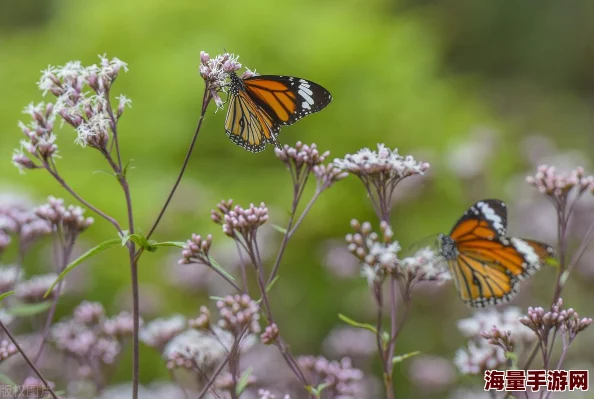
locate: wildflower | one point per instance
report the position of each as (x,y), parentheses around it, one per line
(478,357)
(422,266)
(302,155)
(327,175)
(89,313)
(270,334)
(241,221)
(377,254)
(338,376)
(121,325)
(6,317)
(160,331)
(356,343)
(196,250)
(380,171)
(506,320)
(202,322)
(197,349)
(70,220)
(34,289)
(215,72)
(557,185)
(7,349)
(9,276)
(237,312)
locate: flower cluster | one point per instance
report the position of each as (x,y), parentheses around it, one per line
(68,219)
(566,321)
(34,289)
(9,276)
(7,349)
(339,377)
(492,333)
(89,112)
(378,255)
(89,337)
(215,72)
(549,181)
(270,334)
(197,350)
(196,250)
(17,218)
(238,221)
(380,171)
(159,332)
(237,312)
(424,265)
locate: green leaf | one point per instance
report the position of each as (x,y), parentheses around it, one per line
(399,359)
(141,241)
(29,309)
(104,246)
(269,286)
(243,381)
(125,237)
(216,298)
(514,359)
(5,380)
(354,323)
(280,229)
(177,244)
(7,294)
(219,268)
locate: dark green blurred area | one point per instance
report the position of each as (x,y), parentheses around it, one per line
(416,75)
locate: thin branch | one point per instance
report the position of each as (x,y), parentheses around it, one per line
(29,362)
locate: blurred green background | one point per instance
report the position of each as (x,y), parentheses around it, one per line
(432,78)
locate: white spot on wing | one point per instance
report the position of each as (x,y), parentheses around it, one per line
(305,105)
(306,97)
(529,253)
(492,217)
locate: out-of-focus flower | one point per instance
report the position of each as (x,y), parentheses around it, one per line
(202,322)
(339,261)
(224,382)
(424,265)
(266,394)
(506,320)
(355,343)
(34,289)
(470,158)
(340,377)
(478,357)
(557,185)
(70,219)
(431,373)
(89,312)
(9,276)
(565,320)
(159,332)
(237,312)
(270,334)
(193,348)
(5,317)
(7,349)
(381,171)
(121,325)
(377,254)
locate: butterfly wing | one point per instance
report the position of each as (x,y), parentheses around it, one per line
(247,126)
(286,99)
(486,265)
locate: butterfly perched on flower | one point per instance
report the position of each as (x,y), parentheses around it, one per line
(259,105)
(485,264)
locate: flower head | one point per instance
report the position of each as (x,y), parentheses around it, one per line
(7,349)
(121,325)
(9,276)
(160,331)
(338,376)
(196,250)
(69,219)
(549,181)
(380,171)
(215,72)
(237,312)
(238,221)
(34,289)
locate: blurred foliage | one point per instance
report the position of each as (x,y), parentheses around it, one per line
(416,74)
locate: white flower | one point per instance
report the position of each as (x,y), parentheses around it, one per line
(384,161)
(9,275)
(478,357)
(506,320)
(97,125)
(5,317)
(204,349)
(159,331)
(369,273)
(425,264)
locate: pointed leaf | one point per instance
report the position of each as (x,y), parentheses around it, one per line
(280,229)
(243,381)
(269,286)
(219,268)
(104,246)
(177,244)
(29,309)
(5,380)
(356,323)
(7,294)
(398,359)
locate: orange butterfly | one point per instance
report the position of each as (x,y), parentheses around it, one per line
(486,265)
(260,105)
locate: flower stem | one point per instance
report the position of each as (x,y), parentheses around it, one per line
(205,101)
(29,362)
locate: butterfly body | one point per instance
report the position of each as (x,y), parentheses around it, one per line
(260,105)
(485,264)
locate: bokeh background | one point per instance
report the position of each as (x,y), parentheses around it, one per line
(484,91)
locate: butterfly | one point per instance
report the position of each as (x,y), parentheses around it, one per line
(260,105)
(485,264)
